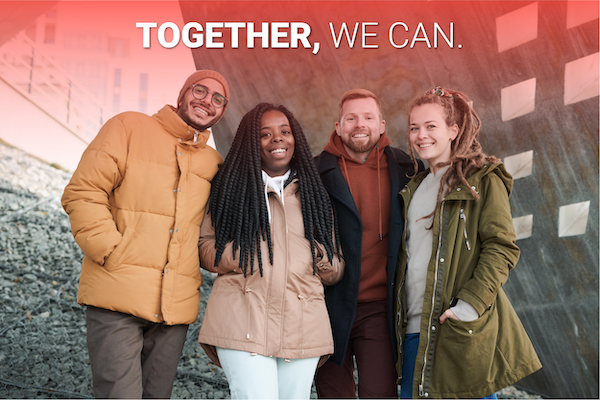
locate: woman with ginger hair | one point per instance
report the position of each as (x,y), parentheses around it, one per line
(457,333)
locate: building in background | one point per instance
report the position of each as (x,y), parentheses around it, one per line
(532,71)
(78,64)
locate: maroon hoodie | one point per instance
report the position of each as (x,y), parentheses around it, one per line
(369,183)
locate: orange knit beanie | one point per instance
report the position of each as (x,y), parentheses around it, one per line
(197,77)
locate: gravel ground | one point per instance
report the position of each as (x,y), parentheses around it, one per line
(42,328)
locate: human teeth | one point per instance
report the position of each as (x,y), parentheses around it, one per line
(425,145)
(203,111)
(277,151)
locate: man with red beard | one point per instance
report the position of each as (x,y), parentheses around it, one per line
(135,204)
(363,175)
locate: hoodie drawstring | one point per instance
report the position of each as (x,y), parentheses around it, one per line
(379,192)
(347,176)
(346,172)
(277,183)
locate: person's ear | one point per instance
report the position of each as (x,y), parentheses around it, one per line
(338,128)
(454,133)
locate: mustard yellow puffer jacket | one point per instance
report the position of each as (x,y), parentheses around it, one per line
(135,203)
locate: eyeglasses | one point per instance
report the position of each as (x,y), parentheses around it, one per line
(201,91)
(440,91)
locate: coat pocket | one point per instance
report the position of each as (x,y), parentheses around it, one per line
(115,258)
(306,324)
(232,313)
(465,354)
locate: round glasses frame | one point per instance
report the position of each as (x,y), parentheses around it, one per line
(200,92)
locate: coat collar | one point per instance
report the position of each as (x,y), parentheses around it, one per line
(474,178)
(175,126)
(333,180)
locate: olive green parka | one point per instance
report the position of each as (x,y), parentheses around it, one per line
(473,251)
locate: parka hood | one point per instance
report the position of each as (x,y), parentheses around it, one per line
(474,178)
(499,169)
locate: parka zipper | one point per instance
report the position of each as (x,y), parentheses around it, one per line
(430,326)
(401,311)
(464,218)
(302,311)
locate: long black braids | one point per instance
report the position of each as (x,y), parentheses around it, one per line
(237,204)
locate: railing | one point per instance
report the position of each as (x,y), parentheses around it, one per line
(24,66)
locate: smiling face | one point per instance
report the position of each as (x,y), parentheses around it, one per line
(201,114)
(360,127)
(277,143)
(429,134)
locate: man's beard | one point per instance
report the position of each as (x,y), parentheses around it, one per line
(360,147)
(184,112)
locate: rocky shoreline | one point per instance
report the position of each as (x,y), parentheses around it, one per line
(42,334)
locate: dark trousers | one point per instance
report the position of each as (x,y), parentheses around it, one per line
(371,346)
(131,357)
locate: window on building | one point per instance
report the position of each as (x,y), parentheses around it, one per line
(116,103)
(143,102)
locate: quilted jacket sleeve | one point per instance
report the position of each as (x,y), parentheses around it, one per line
(87,196)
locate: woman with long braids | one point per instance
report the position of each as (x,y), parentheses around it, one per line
(457,333)
(270,235)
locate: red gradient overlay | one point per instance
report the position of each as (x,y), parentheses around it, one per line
(411,35)
(550,46)
(377,27)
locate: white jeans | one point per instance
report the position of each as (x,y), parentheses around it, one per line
(252,376)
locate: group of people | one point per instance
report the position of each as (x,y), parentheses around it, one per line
(357,258)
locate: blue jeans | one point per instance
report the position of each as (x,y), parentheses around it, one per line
(411,345)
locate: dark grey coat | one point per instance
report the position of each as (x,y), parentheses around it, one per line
(342,298)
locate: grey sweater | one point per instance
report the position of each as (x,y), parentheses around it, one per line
(419,245)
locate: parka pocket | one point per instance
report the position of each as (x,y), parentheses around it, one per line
(465,354)
(306,323)
(235,311)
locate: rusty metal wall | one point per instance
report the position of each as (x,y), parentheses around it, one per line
(554,287)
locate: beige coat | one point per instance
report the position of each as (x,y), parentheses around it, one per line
(135,203)
(281,314)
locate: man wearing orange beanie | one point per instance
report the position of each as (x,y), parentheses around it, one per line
(135,204)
